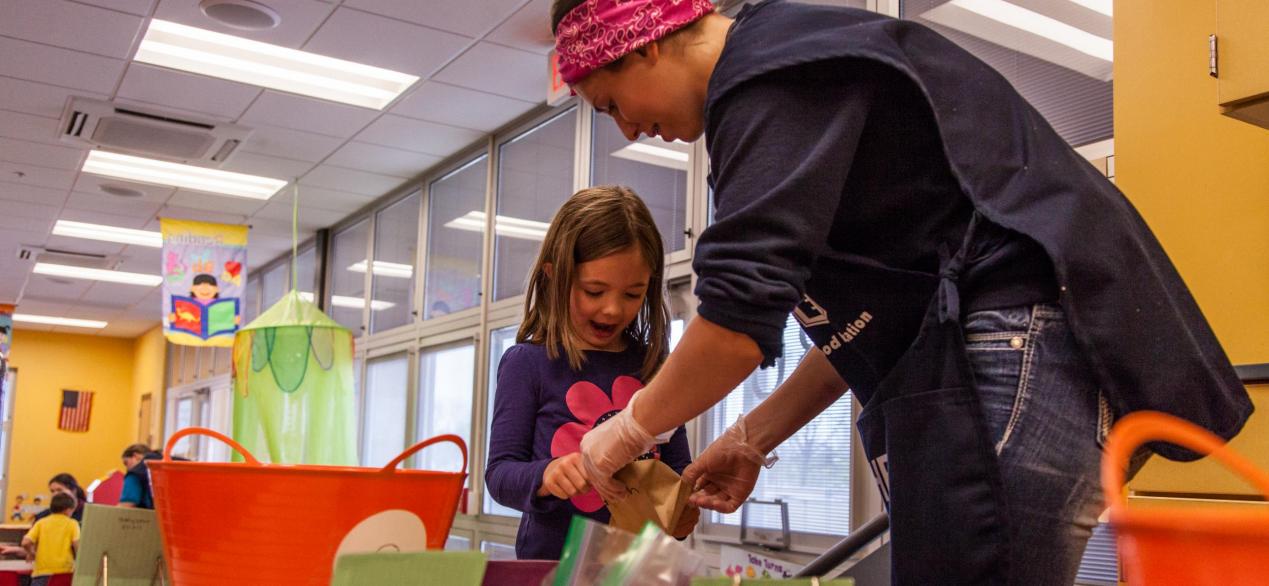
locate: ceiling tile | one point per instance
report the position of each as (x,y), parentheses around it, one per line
(58,66)
(456,106)
(290,144)
(72,26)
(299,19)
(88,183)
(137,7)
(119,295)
(55,288)
(25,327)
(381,159)
(417,135)
(38,98)
(460,16)
(28,127)
(42,154)
(350,180)
(311,218)
(122,327)
(34,226)
(33,211)
(240,206)
(32,194)
(307,114)
(264,165)
(23,236)
(499,70)
(188,213)
(383,42)
(36,175)
(102,202)
(528,29)
(331,200)
(197,93)
(141,259)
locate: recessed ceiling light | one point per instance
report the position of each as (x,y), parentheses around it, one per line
(73,272)
(385,269)
(1039,24)
(120,191)
(241,14)
(672,155)
(31,318)
(350,302)
(508,226)
(204,52)
(178,175)
(108,233)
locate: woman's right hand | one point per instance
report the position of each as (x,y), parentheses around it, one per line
(563,477)
(726,472)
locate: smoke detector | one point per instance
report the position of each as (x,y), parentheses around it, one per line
(120,190)
(241,14)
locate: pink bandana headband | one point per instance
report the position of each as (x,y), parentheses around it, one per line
(598,32)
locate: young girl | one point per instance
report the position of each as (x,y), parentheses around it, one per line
(595,330)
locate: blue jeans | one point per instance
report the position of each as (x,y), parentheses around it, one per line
(1048,421)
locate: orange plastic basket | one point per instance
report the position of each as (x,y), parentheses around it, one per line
(1196,547)
(253,523)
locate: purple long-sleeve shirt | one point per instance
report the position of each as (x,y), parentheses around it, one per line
(541,409)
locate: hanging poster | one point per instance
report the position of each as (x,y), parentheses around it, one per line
(204,268)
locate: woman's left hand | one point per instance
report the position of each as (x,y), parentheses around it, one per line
(609,447)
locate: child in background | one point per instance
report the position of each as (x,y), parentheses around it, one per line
(53,541)
(595,330)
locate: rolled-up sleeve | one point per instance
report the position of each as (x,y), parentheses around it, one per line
(780,150)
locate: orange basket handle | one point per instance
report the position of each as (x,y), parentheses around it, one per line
(449,437)
(1137,428)
(171,443)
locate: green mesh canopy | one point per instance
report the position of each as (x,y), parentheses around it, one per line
(293,386)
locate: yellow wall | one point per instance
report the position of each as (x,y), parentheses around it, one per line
(149,352)
(48,363)
(1200,179)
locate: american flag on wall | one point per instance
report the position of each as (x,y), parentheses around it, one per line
(77,407)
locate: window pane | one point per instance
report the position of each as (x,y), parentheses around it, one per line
(499,341)
(455,239)
(251,297)
(396,236)
(456,543)
(814,469)
(383,420)
(1070,88)
(498,551)
(535,176)
(653,168)
(348,287)
(306,271)
(446,379)
(274,284)
(184,419)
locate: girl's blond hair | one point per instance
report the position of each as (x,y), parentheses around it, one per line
(592,224)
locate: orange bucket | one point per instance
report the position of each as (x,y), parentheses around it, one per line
(1195,547)
(253,523)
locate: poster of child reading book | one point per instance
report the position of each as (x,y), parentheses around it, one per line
(204,268)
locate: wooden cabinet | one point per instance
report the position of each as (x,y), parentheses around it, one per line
(1242,59)
(1207,478)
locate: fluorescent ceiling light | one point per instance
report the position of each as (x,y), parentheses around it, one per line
(108,233)
(178,175)
(237,59)
(350,302)
(1039,24)
(72,272)
(672,155)
(58,321)
(508,226)
(1106,7)
(384,269)
(1048,36)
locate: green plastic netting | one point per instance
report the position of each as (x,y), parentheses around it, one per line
(293,386)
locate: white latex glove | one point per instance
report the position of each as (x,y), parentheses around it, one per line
(609,447)
(724,474)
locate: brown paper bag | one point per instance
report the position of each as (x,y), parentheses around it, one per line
(657,494)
